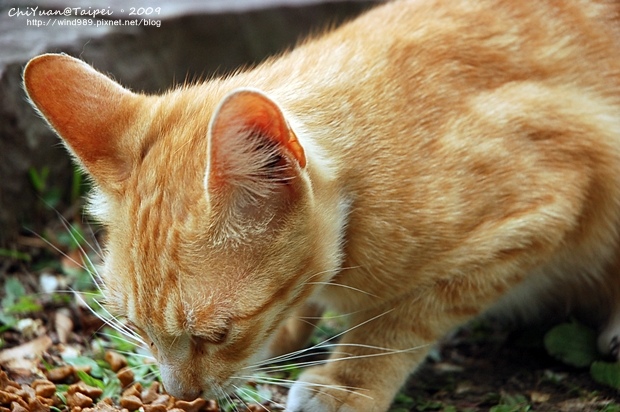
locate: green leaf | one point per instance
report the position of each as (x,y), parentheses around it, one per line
(16,301)
(83,361)
(611,407)
(510,408)
(13,289)
(52,197)
(73,238)
(89,380)
(61,394)
(606,373)
(113,386)
(573,344)
(428,405)
(39,180)
(14,254)
(119,342)
(253,395)
(511,403)
(7,321)
(24,305)
(403,400)
(76,185)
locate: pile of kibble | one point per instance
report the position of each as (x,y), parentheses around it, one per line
(40,395)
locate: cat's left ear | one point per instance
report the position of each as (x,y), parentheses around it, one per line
(252,148)
(89,111)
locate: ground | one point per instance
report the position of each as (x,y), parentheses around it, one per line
(480,367)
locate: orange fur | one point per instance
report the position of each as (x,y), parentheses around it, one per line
(421,165)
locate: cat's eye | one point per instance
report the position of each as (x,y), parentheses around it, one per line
(219,337)
(216,337)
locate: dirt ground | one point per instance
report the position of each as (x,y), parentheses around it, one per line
(478,368)
(482,367)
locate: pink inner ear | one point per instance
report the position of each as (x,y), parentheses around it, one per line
(253,110)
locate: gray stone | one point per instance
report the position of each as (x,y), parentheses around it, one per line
(196,39)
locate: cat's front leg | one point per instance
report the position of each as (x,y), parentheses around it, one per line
(609,339)
(367,367)
(295,332)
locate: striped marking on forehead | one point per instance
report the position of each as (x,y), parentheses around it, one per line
(153,257)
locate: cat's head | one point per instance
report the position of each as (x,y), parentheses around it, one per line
(213,234)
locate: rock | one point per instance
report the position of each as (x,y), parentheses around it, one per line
(185,39)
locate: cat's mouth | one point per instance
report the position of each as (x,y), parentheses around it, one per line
(189,383)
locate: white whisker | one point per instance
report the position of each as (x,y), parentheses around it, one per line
(125,352)
(96,278)
(342,286)
(112,321)
(98,251)
(250,394)
(57,249)
(337,270)
(310,385)
(344,315)
(281,358)
(241,399)
(67,225)
(348,356)
(221,394)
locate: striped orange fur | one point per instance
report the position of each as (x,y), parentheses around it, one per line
(421,165)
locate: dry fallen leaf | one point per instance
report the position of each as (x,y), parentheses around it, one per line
(63,325)
(25,356)
(539,397)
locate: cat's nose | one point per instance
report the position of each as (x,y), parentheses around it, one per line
(188,394)
(177,386)
(182,392)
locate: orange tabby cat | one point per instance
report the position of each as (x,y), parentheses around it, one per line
(414,168)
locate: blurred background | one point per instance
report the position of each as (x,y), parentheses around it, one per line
(149,47)
(48,247)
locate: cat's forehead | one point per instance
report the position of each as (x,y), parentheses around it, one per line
(175,272)
(170,300)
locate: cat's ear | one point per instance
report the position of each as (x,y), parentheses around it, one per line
(253,152)
(89,111)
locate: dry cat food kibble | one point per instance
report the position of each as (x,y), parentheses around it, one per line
(36,397)
(39,395)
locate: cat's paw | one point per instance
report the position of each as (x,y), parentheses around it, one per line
(614,347)
(314,392)
(609,339)
(610,345)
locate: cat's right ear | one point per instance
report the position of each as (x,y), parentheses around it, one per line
(256,163)
(89,111)
(252,147)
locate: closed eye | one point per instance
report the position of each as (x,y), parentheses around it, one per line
(214,337)
(219,337)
